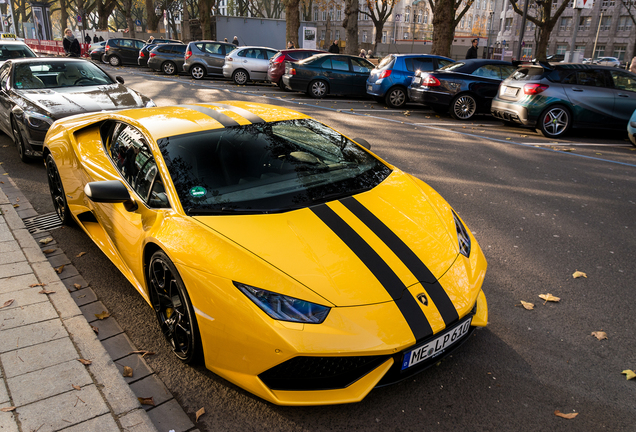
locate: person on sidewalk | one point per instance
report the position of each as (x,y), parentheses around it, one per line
(151,40)
(472,51)
(95,38)
(235,41)
(71,44)
(87,38)
(334,49)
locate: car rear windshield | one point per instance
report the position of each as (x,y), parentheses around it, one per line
(268,167)
(527,74)
(8,52)
(387,62)
(452,66)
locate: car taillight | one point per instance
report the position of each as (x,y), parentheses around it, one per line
(107,47)
(533,89)
(429,81)
(141,54)
(292,71)
(188,54)
(385,73)
(152,54)
(279,59)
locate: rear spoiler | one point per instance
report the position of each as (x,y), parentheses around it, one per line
(543,64)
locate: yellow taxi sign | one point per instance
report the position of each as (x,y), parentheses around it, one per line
(8,36)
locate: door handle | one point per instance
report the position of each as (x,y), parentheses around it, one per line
(577,90)
(623,95)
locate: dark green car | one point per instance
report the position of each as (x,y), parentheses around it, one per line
(556,97)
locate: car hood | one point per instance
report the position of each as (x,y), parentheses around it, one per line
(301,244)
(63,102)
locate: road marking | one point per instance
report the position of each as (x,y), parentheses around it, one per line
(575,144)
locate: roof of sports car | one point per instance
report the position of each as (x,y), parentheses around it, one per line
(188,118)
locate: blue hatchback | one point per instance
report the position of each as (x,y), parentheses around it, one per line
(389,81)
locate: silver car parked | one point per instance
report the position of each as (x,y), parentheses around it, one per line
(206,58)
(248,63)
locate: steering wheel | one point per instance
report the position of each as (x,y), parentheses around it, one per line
(82,79)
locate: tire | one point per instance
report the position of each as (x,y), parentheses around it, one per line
(318,89)
(198,72)
(554,122)
(56,189)
(170,300)
(396,97)
(114,61)
(169,68)
(18,139)
(104,59)
(240,77)
(281,85)
(463,107)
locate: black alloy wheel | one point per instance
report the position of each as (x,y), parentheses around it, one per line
(169,68)
(554,122)
(171,303)
(396,97)
(56,188)
(318,89)
(18,139)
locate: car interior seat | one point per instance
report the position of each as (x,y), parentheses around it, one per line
(70,76)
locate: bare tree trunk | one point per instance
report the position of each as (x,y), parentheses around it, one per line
(350,23)
(205,9)
(379,26)
(104,10)
(292,19)
(443,32)
(63,14)
(152,20)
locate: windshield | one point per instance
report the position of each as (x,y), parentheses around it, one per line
(13,51)
(53,74)
(264,168)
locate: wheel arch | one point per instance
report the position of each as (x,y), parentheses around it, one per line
(562,103)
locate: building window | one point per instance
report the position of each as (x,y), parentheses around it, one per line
(405,36)
(338,15)
(624,24)
(477,5)
(366,17)
(561,49)
(470,22)
(419,17)
(426,17)
(315,14)
(585,23)
(619,51)
(324,15)
(529,26)
(364,35)
(606,23)
(322,35)
(566,24)
(463,24)
(407,17)
(526,51)
(337,34)
(384,37)
(508,24)
(600,51)
(331,14)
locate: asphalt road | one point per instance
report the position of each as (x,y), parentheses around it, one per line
(540,210)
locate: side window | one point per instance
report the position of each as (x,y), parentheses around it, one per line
(200,46)
(339,63)
(327,64)
(179,49)
(242,53)
(569,78)
(487,71)
(506,71)
(592,78)
(213,48)
(622,80)
(423,64)
(360,65)
(442,63)
(132,157)
(270,54)
(229,48)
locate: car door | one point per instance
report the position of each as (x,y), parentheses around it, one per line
(214,57)
(6,102)
(340,75)
(129,152)
(624,95)
(591,98)
(361,69)
(258,65)
(485,83)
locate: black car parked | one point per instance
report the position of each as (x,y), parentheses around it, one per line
(464,88)
(167,57)
(120,51)
(325,74)
(144,52)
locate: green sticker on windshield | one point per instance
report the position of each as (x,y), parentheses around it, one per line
(198,191)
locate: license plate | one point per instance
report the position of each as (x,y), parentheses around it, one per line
(369,87)
(436,346)
(511,91)
(417,80)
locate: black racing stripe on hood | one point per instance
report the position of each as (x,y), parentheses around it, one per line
(407,256)
(251,117)
(407,304)
(224,119)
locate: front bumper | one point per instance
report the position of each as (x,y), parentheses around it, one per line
(511,112)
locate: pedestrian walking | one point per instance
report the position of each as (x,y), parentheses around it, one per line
(95,38)
(225,40)
(334,49)
(71,44)
(87,38)
(363,53)
(235,41)
(151,39)
(290,45)
(472,51)
(369,54)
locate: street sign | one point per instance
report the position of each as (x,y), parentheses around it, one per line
(138,22)
(79,18)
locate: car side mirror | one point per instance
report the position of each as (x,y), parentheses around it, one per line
(119,79)
(110,191)
(364,143)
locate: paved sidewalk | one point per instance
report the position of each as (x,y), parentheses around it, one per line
(43,335)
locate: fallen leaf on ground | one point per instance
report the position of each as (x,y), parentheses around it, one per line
(16,205)
(77,286)
(46,240)
(7,303)
(85,362)
(7,409)
(46,292)
(76,387)
(102,315)
(199,414)
(146,401)
(80,254)
(59,269)
(549,297)
(630,374)
(578,274)
(128,372)
(600,335)
(142,352)
(48,251)
(37,284)
(565,416)
(527,305)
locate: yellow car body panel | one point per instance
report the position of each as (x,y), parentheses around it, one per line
(322,254)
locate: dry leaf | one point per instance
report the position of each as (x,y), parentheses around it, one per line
(600,335)
(578,274)
(16,205)
(549,297)
(80,254)
(142,352)
(77,286)
(128,372)
(630,374)
(146,401)
(102,315)
(7,303)
(46,240)
(76,387)
(565,416)
(199,414)
(7,409)
(37,284)
(46,292)
(95,329)
(527,305)
(59,269)
(84,362)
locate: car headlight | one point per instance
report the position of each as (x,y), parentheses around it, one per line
(462,237)
(38,121)
(150,104)
(284,308)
